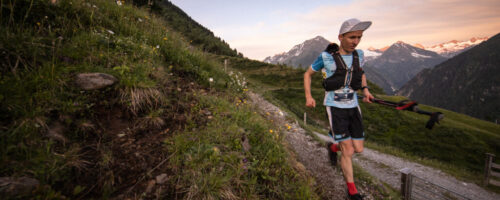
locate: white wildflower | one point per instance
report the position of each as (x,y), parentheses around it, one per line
(119,2)
(211,79)
(139,19)
(111,32)
(157,46)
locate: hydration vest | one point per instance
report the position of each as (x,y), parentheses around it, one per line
(339,78)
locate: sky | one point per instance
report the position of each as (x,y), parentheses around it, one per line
(259,28)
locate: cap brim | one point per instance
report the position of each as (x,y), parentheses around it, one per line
(361,26)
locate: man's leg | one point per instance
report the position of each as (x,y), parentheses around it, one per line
(332,148)
(347,149)
(358,145)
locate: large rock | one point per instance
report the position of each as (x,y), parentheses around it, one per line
(17,186)
(94,81)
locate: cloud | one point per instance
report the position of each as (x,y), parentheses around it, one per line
(426,21)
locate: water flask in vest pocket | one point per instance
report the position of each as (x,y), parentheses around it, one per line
(343,95)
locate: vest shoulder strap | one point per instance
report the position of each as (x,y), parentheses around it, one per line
(355,61)
(341,64)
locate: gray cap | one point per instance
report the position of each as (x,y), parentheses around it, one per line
(354,25)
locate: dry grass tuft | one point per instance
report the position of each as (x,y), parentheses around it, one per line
(73,159)
(141,99)
(86,126)
(227,193)
(152,120)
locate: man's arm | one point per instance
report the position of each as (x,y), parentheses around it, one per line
(310,102)
(366,91)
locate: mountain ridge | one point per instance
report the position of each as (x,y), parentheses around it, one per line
(300,55)
(467,83)
(398,64)
(296,58)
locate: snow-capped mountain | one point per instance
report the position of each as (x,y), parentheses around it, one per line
(278,58)
(398,64)
(372,53)
(468,83)
(301,55)
(454,47)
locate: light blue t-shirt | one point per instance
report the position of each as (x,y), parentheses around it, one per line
(326,64)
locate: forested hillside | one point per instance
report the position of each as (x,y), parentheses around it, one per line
(197,34)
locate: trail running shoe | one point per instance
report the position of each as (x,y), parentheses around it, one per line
(332,155)
(356,196)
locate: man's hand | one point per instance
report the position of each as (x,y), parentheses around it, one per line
(368,96)
(310,102)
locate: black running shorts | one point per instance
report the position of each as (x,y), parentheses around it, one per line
(345,123)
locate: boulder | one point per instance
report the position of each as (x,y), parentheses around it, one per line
(94,81)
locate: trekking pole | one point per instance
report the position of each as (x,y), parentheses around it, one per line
(412,106)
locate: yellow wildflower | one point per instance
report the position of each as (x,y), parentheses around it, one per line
(270,130)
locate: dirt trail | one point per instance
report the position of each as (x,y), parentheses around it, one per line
(309,152)
(386,168)
(382,166)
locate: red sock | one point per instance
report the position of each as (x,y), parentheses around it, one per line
(352,188)
(334,147)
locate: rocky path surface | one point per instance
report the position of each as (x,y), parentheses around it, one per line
(387,169)
(309,152)
(382,166)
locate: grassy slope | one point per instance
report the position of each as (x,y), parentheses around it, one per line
(457,145)
(163,116)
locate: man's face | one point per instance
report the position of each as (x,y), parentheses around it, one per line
(349,41)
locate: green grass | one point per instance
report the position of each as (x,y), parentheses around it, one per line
(215,162)
(113,140)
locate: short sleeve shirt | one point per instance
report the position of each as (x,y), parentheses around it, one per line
(326,64)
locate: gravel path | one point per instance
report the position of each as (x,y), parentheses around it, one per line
(309,152)
(382,166)
(386,168)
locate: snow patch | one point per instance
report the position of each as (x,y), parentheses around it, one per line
(416,55)
(369,53)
